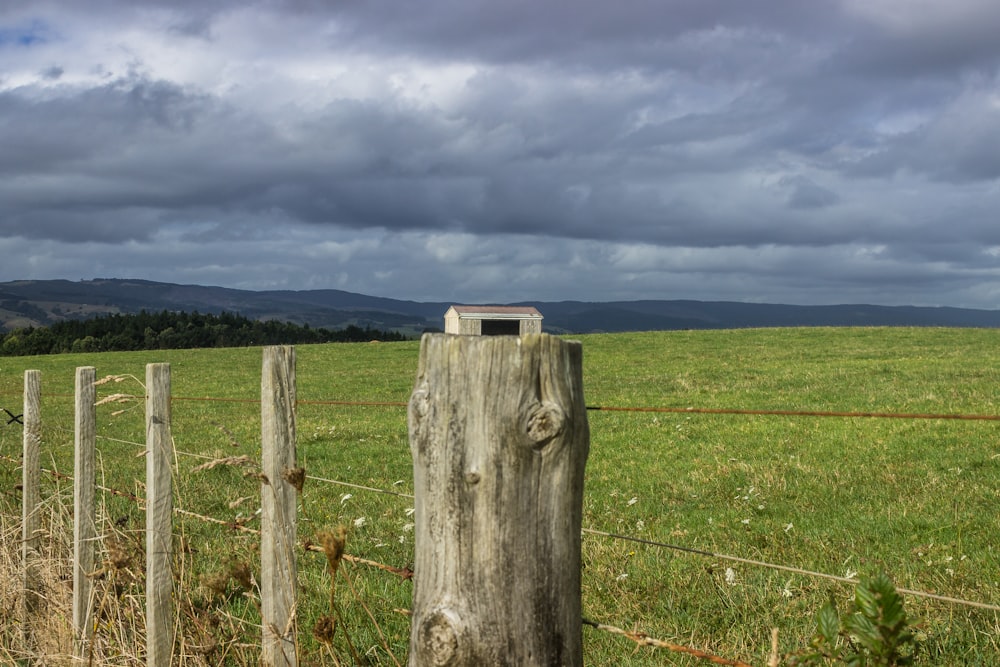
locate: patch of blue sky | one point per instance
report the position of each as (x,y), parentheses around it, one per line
(30,34)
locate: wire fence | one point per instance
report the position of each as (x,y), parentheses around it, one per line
(405,573)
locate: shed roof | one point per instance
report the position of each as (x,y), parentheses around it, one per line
(499,312)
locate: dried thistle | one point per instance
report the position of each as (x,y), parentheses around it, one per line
(210,646)
(118,560)
(239,571)
(118,557)
(297,478)
(333,544)
(325,629)
(216,583)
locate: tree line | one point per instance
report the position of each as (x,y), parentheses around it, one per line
(173,331)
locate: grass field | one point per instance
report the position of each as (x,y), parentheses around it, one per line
(917,499)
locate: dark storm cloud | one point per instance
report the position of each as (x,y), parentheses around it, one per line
(100,162)
(61,127)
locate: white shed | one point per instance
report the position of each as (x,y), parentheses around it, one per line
(492,320)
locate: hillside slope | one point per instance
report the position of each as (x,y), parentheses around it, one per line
(35,303)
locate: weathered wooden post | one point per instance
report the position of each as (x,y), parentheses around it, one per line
(159,516)
(84,528)
(30,519)
(499,437)
(278,574)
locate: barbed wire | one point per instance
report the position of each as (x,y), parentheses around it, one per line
(642,639)
(797,413)
(672,409)
(406,573)
(611,408)
(238,525)
(787,568)
(663,409)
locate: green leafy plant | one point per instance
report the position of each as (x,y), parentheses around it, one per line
(875,632)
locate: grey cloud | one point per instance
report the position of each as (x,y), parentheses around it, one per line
(960,144)
(67,125)
(934,41)
(806,194)
(589,33)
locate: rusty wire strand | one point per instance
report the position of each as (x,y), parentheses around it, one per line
(611,408)
(664,409)
(796,413)
(642,639)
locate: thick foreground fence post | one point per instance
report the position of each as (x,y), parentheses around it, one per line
(30,518)
(278,577)
(499,437)
(84,527)
(159,515)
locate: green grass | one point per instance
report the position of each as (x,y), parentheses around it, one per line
(915,498)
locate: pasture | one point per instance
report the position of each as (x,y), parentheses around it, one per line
(847,496)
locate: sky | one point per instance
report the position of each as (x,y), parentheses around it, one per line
(476,151)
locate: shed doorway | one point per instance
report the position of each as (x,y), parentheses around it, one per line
(501,327)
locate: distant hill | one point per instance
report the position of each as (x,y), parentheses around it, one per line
(36,303)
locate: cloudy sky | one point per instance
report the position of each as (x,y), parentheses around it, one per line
(789,151)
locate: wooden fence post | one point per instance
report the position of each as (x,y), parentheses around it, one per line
(30,519)
(499,438)
(278,578)
(84,528)
(159,514)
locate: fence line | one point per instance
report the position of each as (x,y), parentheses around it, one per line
(405,573)
(640,638)
(638,540)
(797,413)
(308,546)
(952,416)
(85,424)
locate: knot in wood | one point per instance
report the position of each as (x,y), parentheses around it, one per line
(544,423)
(439,638)
(420,401)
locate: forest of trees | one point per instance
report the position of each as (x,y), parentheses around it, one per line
(171,331)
